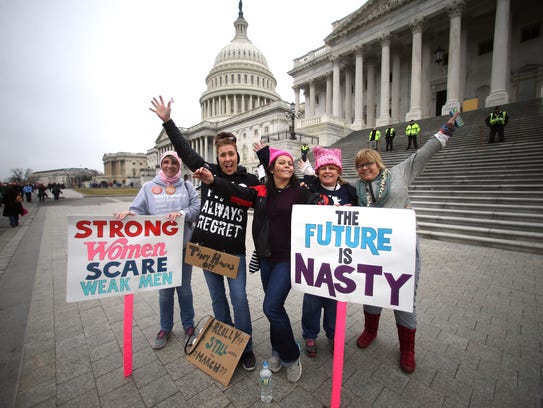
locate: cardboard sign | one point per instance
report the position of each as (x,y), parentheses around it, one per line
(109,257)
(217,350)
(355,254)
(212,260)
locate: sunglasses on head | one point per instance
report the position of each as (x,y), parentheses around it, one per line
(225,137)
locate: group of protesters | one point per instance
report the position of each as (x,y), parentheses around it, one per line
(14,194)
(228,185)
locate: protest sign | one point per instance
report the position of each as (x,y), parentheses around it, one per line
(355,254)
(217,350)
(212,260)
(110,257)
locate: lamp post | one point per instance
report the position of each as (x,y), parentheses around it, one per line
(292,114)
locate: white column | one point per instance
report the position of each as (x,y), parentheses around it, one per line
(500,56)
(312,98)
(328,106)
(428,108)
(370,91)
(384,116)
(358,88)
(416,72)
(335,85)
(206,150)
(395,94)
(296,98)
(348,110)
(453,70)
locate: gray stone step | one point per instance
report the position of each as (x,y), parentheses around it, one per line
(486,199)
(514,225)
(490,215)
(514,245)
(461,205)
(528,236)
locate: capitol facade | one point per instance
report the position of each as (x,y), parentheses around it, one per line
(387,62)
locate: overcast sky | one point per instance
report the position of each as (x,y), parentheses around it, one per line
(77,76)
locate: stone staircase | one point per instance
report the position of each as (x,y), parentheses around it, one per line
(473,192)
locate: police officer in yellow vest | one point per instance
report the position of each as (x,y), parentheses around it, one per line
(304,150)
(411,131)
(389,137)
(374,137)
(497,121)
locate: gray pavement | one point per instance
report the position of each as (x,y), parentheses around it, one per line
(478,344)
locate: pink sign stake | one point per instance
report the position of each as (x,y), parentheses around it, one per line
(339,348)
(127,336)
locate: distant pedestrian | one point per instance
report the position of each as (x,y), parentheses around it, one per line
(27,190)
(13,207)
(304,149)
(56,192)
(374,137)
(497,120)
(412,131)
(390,133)
(42,193)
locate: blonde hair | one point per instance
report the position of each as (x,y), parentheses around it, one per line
(366,155)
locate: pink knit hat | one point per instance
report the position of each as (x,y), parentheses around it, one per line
(325,157)
(172,153)
(275,153)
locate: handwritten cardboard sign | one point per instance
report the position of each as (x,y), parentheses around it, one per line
(355,254)
(211,260)
(217,350)
(110,257)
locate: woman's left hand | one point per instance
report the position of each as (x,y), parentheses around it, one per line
(204,175)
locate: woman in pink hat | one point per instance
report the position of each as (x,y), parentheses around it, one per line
(272,204)
(325,181)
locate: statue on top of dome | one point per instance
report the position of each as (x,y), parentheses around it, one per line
(240,6)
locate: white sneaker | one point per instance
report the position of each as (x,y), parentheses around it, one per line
(294,372)
(274,364)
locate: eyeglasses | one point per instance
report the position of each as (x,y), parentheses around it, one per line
(364,165)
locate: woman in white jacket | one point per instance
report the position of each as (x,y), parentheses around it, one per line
(169,194)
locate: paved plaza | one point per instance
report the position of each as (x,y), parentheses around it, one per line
(478,344)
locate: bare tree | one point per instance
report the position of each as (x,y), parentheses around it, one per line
(18,175)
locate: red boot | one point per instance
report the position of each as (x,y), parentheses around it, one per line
(407,348)
(371,324)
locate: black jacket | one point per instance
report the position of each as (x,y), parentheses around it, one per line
(221,225)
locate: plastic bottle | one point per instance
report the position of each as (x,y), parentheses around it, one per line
(265,383)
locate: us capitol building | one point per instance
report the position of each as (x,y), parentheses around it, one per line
(387,62)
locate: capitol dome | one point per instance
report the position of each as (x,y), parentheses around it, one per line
(240,79)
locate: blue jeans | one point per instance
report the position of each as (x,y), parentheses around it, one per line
(238,297)
(405,319)
(276,283)
(184,297)
(13,220)
(311,316)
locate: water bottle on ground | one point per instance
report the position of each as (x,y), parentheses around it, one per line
(265,383)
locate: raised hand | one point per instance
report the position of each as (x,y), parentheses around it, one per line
(258,145)
(162,110)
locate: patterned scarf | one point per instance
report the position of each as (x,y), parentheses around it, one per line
(364,190)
